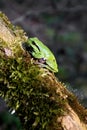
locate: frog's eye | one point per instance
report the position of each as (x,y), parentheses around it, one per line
(27,48)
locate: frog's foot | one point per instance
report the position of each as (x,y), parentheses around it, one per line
(41,65)
(42,61)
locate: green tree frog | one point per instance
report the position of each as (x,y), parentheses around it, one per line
(42,53)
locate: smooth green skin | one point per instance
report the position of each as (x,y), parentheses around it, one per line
(40,51)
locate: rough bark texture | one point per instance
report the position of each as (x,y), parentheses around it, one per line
(75,116)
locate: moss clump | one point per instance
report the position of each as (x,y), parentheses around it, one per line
(25,89)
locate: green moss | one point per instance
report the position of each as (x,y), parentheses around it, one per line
(26,87)
(26,91)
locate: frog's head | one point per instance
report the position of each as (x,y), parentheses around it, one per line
(33,48)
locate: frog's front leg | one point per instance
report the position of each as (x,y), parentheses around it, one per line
(41,62)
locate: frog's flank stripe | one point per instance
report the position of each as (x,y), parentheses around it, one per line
(35,45)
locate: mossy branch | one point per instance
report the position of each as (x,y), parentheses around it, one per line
(40,100)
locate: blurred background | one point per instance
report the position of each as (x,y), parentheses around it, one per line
(62,26)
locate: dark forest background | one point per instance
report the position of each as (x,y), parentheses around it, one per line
(62,26)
